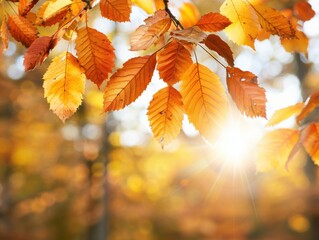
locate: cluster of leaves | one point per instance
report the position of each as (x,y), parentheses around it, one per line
(201,95)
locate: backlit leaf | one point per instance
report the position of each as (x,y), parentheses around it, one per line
(165,114)
(116,10)
(215,43)
(192,34)
(147,6)
(64,85)
(248,96)
(204,99)
(212,22)
(285,113)
(25,6)
(4,32)
(189,14)
(22,29)
(148,34)
(298,44)
(312,103)
(95,53)
(173,61)
(310,140)
(245,26)
(303,10)
(128,83)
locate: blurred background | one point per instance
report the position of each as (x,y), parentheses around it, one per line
(102,176)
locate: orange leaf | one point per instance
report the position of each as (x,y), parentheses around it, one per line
(189,14)
(22,30)
(4,32)
(173,61)
(95,53)
(248,96)
(25,6)
(215,43)
(303,10)
(310,141)
(64,85)
(38,52)
(204,99)
(312,103)
(148,34)
(165,114)
(274,149)
(191,35)
(213,22)
(298,44)
(128,83)
(116,10)
(285,113)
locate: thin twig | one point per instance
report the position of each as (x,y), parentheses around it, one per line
(211,55)
(174,19)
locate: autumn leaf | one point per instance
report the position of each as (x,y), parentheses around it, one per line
(128,83)
(148,34)
(285,113)
(191,35)
(310,140)
(312,103)
(25,6)
(147,6)
(245,25)
(248,96)
(215,43)
(204,99)
(22,30)
(95,53)
(173,61)
(273,151)
(116,10)
(64,85)
(165,114)
(213,22)
(38,52)
(303,10)
(298,44)
(4,32)
(189,14)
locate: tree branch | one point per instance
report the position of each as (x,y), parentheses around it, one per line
(174,19)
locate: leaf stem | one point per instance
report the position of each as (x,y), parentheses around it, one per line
(174,19)
(211,55)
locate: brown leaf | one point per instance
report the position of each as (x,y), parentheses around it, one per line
(303,10)
(116,10)
(173,61)
(128,83)
(312,103)
(310,140)
(191,35)
(212,22)
(215,43)
(148,34)
(248,96)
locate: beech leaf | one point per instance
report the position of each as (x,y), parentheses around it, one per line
(310,140)
(212,22)
(285,113)
(116,10)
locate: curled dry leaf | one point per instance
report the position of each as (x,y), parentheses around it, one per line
(64,85)
(173,61)
(213,22)
(191,35)
(248,96)
(148,34)
(128,83)
(116,10)
(165,114)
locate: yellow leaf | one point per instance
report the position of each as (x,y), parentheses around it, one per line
(245,26)
(165,114)
(284,113)
(64,85)
(96,54)
(173,61)
(204,99)
(4,32)
(128,83)
(189,14)
(274,149)
(298,44)
(147,6)
(310,141)
(312,103)
(148,34)
(116,10)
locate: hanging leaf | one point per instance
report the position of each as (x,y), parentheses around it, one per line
(25,6)
(298,44)
(215,43)
(303,10)
(148,34)
(173,61)
(147,6)
(38,52)
(274,149)
(4,33)
(128,83)
(312,103)
(189,14)
(64,85)
(213,22)
(116,10)
(22,30)
(165,114)
(96,54)
(310,140)
(191,35)
(284,113)
(248,96)
(204,99)
(245,26)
